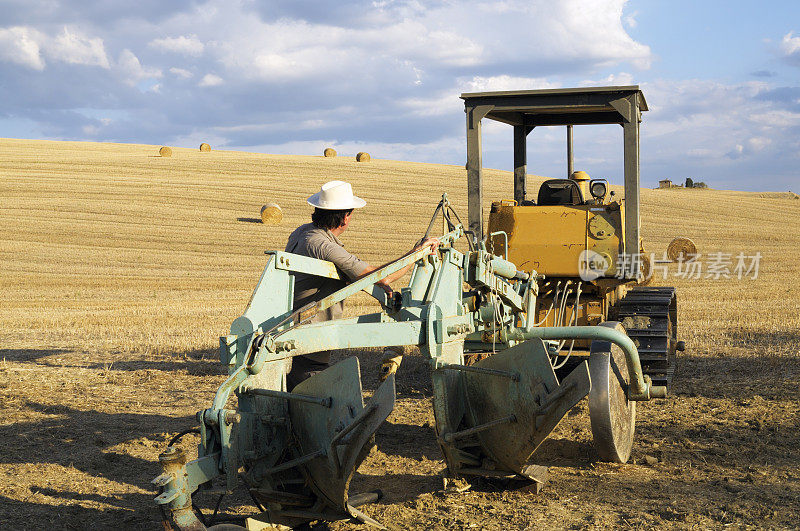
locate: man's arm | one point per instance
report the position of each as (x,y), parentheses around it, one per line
(433,243)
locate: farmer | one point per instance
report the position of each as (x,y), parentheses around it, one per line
(333,211)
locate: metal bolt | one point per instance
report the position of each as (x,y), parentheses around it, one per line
(172,455)
(169,451)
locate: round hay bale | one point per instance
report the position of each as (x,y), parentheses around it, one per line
(329,152)
(165,151)
(362,156)
(271,214)
(681,247)
(205,147)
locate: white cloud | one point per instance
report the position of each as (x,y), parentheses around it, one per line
(132,70)
(435,36)
(447,101)
(790,45)
(790,48)
(567,30)
(183,44)
(210,80)
(758,143)
(714,122)
(181,72)
(601,36)
(701,153)
(21,45)
(442,103)
(630,20)
(76,48)
(506,82)
(27,46)
(622,78)
(775,118)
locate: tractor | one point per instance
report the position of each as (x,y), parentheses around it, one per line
(583,241)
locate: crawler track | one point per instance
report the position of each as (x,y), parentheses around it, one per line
(649,315)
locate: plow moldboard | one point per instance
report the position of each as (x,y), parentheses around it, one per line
(536,400)
(315,427)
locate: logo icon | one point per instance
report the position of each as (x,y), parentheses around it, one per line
(592,265)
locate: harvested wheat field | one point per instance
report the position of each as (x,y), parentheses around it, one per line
(121,268)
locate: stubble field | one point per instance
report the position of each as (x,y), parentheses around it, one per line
(119,269)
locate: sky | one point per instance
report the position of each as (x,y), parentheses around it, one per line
(721,78)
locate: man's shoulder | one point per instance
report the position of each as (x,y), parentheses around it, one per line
(302,229)
(309,231)
(309,238)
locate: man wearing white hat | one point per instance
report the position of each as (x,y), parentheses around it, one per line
(333,210)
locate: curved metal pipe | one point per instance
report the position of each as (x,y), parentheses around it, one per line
(641,387)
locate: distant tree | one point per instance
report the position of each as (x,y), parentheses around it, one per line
(700,184)
(689,182)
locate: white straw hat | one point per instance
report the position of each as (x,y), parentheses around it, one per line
(336,195)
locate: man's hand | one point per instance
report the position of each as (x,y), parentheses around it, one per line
(385,286)
(433,243)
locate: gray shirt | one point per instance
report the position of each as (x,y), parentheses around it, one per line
(309,240)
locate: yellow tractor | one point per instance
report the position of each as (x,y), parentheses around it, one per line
(581,240)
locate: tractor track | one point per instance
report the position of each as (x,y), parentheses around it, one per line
(649,315)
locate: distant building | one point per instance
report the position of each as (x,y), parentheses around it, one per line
(665,183)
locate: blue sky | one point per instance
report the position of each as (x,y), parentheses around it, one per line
(721,78)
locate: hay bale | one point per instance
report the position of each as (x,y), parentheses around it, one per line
(205,147)
(271,214)
(681,247)
(362,156)
(165,151)
(329,152)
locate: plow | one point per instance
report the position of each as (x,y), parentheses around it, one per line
(497,353)
(297,451)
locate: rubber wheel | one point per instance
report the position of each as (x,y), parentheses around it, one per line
(612,415)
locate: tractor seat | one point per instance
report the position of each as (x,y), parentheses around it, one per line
(560,192)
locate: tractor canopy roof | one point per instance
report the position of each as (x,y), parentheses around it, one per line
(569,106)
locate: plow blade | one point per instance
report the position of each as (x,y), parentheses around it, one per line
(334,440)
(514,403)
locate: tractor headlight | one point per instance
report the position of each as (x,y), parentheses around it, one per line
(598,189)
